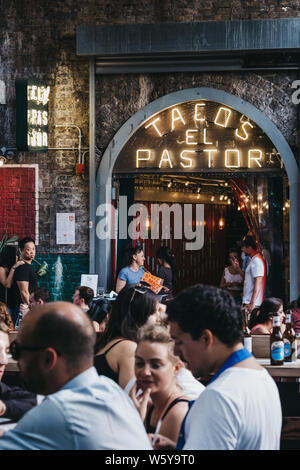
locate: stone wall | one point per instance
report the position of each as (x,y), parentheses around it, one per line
(38,39)
(120,96)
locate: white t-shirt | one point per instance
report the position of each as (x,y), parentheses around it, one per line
(240,410)
(254,269)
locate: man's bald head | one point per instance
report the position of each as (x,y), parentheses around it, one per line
(62,326)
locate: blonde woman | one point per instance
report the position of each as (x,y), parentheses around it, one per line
(5,316)
(162,403)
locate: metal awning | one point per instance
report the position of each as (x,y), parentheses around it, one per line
(200,46)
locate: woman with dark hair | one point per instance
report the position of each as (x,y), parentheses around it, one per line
(9,291)
(295,308)
(167,270)
(116,347)
(261,319)
(99,314)
(133,271)
(233,277)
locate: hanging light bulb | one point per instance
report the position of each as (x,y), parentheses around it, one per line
(229,201)
(212,198)
(221,223)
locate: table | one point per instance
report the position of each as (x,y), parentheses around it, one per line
(12,366)
(289,369)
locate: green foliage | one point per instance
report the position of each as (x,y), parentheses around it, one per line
(6,241)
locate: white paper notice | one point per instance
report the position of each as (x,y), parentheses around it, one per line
(90,280)
(65,229)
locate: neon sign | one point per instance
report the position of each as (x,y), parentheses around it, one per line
(198,136)
(32,97)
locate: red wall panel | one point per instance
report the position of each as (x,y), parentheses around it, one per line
(17,201)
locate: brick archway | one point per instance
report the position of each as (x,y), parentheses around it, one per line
(104,176)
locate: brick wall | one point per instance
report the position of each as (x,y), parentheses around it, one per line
(38,39)
(18,205)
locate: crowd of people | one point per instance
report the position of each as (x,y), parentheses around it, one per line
(142,371)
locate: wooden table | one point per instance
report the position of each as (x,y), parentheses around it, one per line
(289,369)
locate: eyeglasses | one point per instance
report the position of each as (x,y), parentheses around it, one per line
(16,349)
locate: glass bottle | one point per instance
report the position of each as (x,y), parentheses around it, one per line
(289,338)
(246,332)
(276,343)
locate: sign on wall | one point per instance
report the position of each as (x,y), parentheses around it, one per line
(32,97)
(65,228)
(198,136)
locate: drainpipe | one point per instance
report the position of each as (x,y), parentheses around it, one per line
(92,172)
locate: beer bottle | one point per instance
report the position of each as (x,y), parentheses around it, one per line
(289,338)
(246,332)
(276,343)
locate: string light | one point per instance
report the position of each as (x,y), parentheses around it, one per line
(221,223)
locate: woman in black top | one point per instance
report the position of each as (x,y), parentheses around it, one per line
(116,347)
(9,292)
(156,369)
(167,270)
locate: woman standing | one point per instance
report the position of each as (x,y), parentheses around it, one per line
(156,370)
(167,270)
(133,271)
(233,277)
(116,347)
(9,290)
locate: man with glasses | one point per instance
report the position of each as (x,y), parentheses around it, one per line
(81,410)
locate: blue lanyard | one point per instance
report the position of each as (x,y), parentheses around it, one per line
(235,358)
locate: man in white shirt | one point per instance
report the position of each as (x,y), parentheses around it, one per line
(255,275)
(81,410)
(240,408)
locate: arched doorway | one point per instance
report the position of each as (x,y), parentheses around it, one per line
(226,159)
